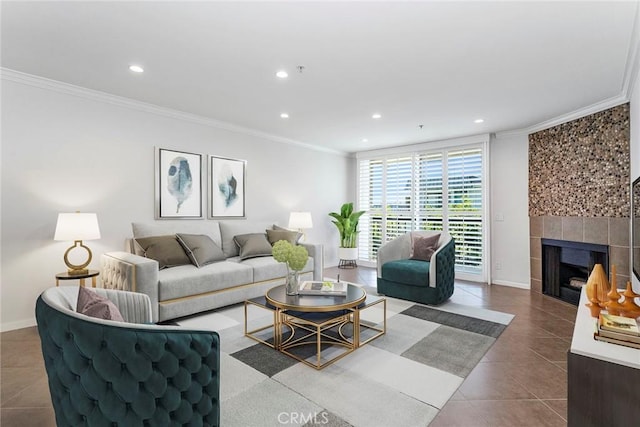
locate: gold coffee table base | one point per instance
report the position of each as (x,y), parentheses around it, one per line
(336,333)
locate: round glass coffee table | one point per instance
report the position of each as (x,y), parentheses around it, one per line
(316,322)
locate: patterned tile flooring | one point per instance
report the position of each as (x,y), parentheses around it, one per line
(520,381)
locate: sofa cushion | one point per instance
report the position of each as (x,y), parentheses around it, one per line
(164,249)
(423,247)
(94,305)
(188,281)
(230,229)
(253,245)
(290,236)
(407,271)
(200,249)
(160,228)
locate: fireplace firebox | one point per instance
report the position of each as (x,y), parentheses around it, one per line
(566,267)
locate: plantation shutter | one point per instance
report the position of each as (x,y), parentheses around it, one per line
(429,191)
(370,190)
(465,201)
(434,190)
(399,197)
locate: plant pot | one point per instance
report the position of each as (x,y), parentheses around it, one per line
(348,253)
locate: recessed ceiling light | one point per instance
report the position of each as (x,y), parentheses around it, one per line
(282,74)
(365,140)
(478,121)
(136,69)
(376,116)
(284,115)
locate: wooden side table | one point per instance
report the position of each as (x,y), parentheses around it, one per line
(80,277)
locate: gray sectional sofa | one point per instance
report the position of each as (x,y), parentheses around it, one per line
(186,289)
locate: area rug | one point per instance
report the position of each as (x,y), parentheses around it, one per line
(400,379)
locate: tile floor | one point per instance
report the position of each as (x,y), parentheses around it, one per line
(521,381)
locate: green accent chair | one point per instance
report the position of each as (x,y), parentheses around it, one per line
(108,373)
(426,282)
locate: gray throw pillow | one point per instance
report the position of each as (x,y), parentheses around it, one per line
(253,245)
(164,249)
(94,305)
(200,249)
(422,248)
(290,236)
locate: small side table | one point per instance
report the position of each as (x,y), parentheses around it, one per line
(80,277)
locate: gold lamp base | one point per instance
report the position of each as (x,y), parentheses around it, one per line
(77,269)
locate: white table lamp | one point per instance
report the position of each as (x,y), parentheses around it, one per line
(300,221)
(77,227)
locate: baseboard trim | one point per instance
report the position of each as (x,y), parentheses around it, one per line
(511,284)
(18,324)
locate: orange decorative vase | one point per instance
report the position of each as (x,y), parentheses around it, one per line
(598,285)
(630,308)
(594,308)
(613,306)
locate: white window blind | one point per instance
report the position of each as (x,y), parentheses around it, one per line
(439,190)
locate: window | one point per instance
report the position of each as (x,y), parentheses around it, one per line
(433,190)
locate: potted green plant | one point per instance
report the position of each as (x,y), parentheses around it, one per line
(347,224)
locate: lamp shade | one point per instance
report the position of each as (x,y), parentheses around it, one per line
(77,226)
(300,220)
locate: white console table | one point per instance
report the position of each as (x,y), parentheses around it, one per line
(603,378)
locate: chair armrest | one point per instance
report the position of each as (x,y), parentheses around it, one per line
(316,251)
(393,250)
(129,272)
(134,307)
(442,267)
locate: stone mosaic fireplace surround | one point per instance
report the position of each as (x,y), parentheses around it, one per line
(579,184)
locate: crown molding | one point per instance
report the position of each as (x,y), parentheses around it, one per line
(95,95)
(576,114)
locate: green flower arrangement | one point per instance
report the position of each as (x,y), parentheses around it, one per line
(293,255)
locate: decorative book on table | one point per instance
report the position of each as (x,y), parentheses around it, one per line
(622,325)
(617,330)
(323,288)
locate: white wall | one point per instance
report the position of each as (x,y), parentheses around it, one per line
(509,157)
(62,152)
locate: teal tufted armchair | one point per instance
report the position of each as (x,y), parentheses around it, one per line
(108,373)
(414,280)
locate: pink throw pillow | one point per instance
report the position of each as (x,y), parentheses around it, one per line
(94,305)
(422,248)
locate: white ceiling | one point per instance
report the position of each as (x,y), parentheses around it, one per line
(439,64)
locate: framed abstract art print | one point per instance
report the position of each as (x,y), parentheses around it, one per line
(226,187)
(178,184)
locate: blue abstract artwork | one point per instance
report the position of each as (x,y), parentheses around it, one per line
(227,187)
(179,181)
(178,184)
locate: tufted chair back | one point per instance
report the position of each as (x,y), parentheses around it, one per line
(106,373)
